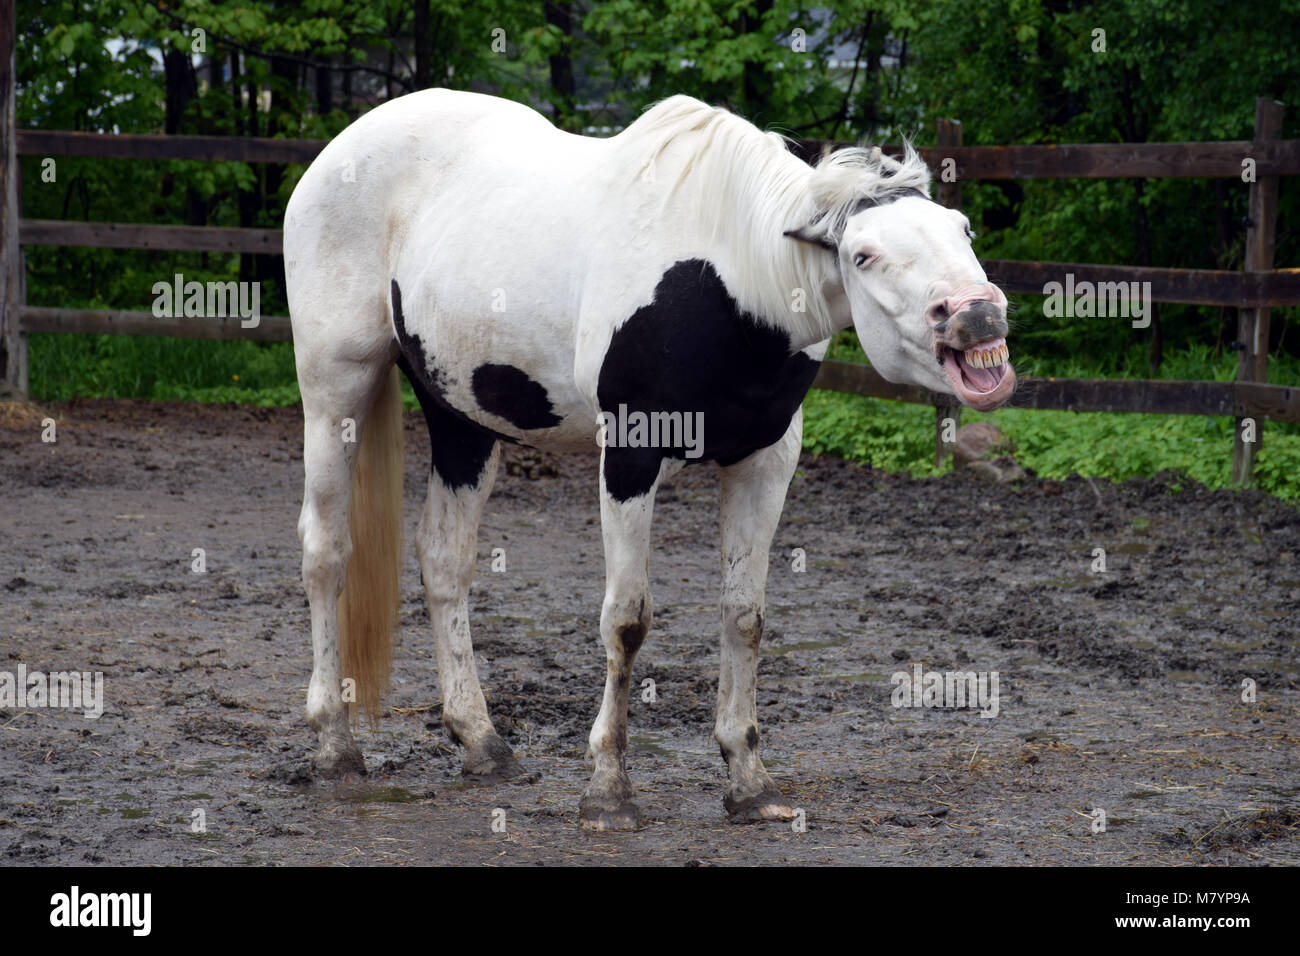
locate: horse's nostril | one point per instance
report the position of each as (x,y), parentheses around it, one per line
(941,328)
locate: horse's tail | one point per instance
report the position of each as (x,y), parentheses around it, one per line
(369,605)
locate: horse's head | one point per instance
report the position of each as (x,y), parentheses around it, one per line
(922,306)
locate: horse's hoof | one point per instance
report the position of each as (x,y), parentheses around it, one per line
(339,763)
(491,761)
(767,807)
(597,815)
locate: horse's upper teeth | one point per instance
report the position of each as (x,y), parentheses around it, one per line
(986,358)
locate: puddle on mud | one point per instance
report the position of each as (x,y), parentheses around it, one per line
(205,767)
(649,744)
(781,649)
(360,793)
(387,795)
(864,677)
(507,619)
(1133,547)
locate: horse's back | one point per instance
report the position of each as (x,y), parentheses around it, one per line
(388,164)
(466,213)
(408,172)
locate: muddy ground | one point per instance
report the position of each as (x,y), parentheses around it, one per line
(1119,691)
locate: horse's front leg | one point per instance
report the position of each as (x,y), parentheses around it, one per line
(753,493)
(626,511)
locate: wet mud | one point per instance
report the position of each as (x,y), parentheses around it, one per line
(1120,692)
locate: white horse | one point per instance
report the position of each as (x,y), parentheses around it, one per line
(544,288)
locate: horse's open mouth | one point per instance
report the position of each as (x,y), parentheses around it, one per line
(981,376)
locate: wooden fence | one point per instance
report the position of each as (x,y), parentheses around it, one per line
(1253,290)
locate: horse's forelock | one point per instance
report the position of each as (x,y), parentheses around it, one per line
(842,180)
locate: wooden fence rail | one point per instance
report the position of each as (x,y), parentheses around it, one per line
(1066,161)
(1189,286)
(1253,290)
(1153,396)
(124,235)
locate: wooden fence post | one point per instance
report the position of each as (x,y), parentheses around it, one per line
(1252,327)
(13,343)
(949,134)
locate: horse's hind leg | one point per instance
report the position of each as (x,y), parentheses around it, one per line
(460,481)
(332,391)
(753,493)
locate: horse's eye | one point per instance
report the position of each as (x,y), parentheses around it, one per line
(861,259)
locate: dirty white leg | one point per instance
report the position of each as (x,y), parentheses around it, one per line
(328,462)
(753,493)
(608,802)
(447,545)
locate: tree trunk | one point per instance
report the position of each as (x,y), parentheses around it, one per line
(324,89)
(423,45)
(559,14)
(756,90)
(181,88)
(280,118)
(250,200)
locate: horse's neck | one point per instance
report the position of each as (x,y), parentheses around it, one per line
(837,305)
(791,285)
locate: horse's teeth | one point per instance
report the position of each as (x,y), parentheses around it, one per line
(987,358)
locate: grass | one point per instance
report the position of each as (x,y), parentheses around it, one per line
(899,437)
(889,435)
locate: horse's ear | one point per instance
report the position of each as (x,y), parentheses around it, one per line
(815,234)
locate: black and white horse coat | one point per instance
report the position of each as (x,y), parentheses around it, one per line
(539,287)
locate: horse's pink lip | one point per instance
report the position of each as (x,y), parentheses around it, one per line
(970,392)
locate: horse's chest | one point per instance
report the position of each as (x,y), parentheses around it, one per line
(692,352)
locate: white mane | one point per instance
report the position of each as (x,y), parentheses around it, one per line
(746,189)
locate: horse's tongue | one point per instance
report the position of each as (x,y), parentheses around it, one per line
(982,379)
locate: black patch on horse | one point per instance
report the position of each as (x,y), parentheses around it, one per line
(692,350)
(508,392)
(461,447)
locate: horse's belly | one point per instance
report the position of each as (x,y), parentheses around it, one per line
(509,373)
